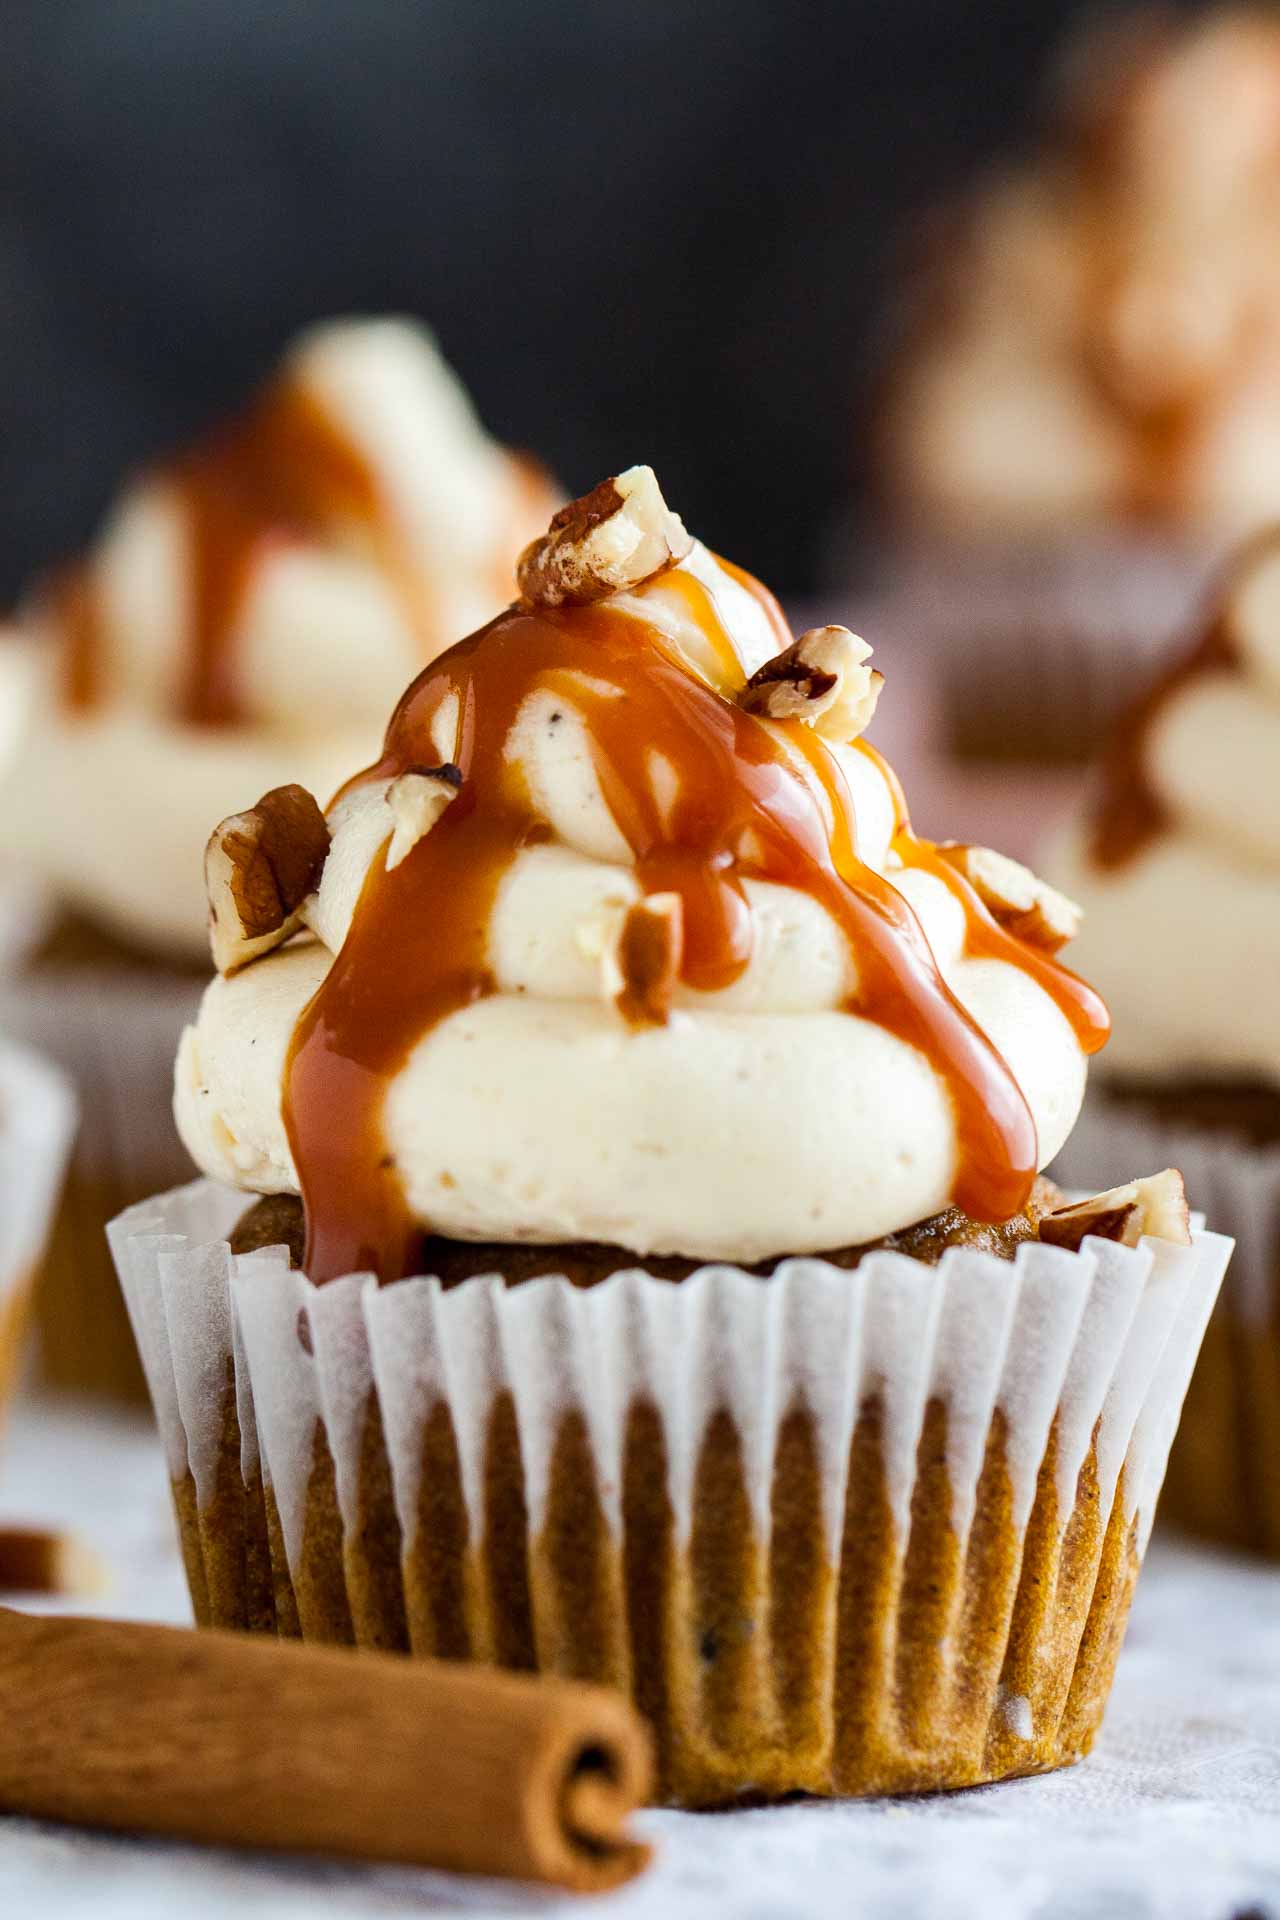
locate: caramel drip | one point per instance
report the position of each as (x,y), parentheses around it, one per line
(1129,813)
(284,470)
(753,799)
(763,598)
(77,611)
(701,608)
(1160,441)
(985,939)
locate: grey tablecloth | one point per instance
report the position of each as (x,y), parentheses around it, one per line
(1176,1815)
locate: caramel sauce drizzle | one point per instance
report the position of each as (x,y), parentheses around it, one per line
(285,469)
(78,614)
(753,799)
(1128,812)
(985,939)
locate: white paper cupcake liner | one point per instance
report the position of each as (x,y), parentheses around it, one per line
(37,1124)
(115,1035)
(1222,1481)
(1235,1185)
(1077,1361)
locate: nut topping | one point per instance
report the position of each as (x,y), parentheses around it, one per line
(609,541)
(1023,905)
(259,868)
(642,965)
(1156,1205)
(822,678)
(417,799)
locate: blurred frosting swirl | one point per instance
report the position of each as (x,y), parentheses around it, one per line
(251,608)
(1105,340)
(1177,858)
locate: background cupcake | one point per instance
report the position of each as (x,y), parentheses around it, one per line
(250,609)
(37,1121)
(1177,862)
(590,989)
(1087,409)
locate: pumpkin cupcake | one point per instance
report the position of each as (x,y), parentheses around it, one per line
(249,612)
(1085,412)
(653,1281)
(1181,838)
(37,1122)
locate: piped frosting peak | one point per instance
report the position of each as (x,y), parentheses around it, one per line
(633,824)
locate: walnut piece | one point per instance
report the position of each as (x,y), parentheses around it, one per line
(1156,1205)
(822,678)
(417,799)
(641,965)
(259,868)
(1022,904)
(609,541)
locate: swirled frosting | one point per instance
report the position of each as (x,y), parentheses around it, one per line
(1177,858)
(251,609)
(1106,340)
(834,1038)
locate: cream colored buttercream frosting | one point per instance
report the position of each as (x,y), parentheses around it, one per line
(627,938)
(1176,859)
(249,612)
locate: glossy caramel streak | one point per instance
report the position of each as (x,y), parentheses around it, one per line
(78,613)
(763,598)
(985,938)
(749,799)
(1129,813)
(283,471)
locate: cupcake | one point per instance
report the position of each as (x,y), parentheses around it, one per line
(651,1280)
(1086,411)
(249,612)
(37,1121)
(1181,839)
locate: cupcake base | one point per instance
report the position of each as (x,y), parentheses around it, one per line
(115,1034)
(839,1532)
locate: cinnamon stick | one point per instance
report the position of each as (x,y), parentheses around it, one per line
(36,1560)
(242,1741)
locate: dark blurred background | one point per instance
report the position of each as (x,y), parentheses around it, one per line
(642,230)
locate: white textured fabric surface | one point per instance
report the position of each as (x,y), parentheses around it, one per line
(1176,1816)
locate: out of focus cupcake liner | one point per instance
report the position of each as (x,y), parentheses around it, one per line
(841,1532)
(1036,650)
(37,1123)
(115,1034)
(1222,1481)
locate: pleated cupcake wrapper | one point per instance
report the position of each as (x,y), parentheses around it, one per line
(1222,1481)
(1039,650)
(895,1430)
(115,1035)
(37,1125)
